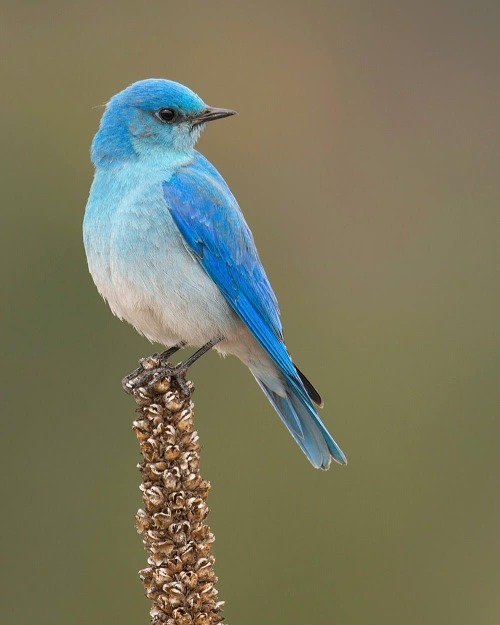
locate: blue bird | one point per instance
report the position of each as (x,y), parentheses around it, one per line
(170,251)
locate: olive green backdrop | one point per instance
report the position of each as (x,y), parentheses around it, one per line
(366,160)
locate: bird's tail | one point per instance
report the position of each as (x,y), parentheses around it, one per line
(300,417)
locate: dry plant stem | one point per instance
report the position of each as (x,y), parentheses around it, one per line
(179,578)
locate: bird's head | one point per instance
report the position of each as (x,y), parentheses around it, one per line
(150,117)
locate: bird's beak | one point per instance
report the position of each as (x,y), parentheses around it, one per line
(211,113)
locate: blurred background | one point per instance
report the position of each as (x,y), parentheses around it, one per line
(366,160)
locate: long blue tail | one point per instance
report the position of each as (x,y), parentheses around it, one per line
(300,417)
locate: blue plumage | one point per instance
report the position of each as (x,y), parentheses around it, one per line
(170,188)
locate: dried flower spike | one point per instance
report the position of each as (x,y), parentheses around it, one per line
(180,578)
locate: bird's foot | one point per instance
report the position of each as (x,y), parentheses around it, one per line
(153,372)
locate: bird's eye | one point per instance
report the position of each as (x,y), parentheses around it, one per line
(167,115)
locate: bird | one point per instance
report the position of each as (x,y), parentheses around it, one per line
(169,249)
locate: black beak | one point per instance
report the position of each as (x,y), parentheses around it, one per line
(211,113)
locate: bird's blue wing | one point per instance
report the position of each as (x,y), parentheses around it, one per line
(214,230)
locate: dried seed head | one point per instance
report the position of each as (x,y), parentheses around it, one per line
(180,577)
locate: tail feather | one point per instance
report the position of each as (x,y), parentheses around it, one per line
(316,442)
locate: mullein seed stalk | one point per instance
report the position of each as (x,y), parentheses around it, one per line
(179,578)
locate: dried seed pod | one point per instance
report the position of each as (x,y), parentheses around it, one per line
(190,442)
(194,602)
(185,423)
(200,532)
(169,434)
(188,553)
(170,480)
(163,602)
(197,508)
(177,500)
(204,570)
(146,575)
(141,429)
(161,576)
(182,616)
(142,521)
(155,410)
(153,592)
(172,402)
(176,596)
(207,590)
(192,481)
(163,548)
(142,394)
(175,564)
(151,450)
(172,452)
(182,526)
(155,496)
(158,468)
(189,579)
(153,536)
(162,385)
(162,519)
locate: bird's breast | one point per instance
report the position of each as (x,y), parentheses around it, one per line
(141,266)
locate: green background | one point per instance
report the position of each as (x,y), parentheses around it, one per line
(366,160)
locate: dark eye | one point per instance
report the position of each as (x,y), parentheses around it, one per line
(167,115)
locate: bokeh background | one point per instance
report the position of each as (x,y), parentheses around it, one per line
(366,159)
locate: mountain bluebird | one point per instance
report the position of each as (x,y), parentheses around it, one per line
(170,251)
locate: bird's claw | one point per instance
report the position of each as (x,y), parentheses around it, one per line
(152,371)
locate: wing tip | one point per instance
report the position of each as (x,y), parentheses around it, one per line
(311,390)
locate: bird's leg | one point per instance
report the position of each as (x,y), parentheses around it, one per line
(179,371)
(147,368)
(164,356)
